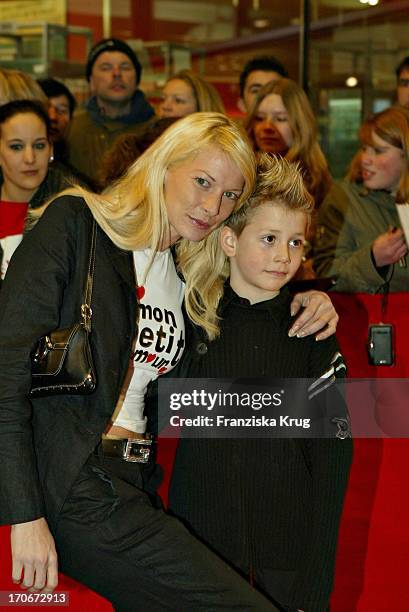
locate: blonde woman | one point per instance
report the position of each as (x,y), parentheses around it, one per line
(186,92)
(64,488)
(17,85)
(282,122)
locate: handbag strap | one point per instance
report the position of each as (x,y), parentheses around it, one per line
(86,310)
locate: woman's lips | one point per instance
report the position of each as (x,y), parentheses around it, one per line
(366,175)
(271,139)
(200,224)
(273,145)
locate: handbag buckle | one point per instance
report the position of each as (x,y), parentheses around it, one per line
(44,346)
(86,314)
(137,450)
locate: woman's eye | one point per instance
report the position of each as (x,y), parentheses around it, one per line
(258,118)
(39,146)
(231,195)
(270,239)
(202,181)
(281,119)
(16,147)
(180,101)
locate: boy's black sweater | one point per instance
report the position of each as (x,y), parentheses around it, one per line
(269,506)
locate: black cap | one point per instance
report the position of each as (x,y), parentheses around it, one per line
(112,44)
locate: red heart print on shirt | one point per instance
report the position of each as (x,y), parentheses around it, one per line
(140,292)
(150,357)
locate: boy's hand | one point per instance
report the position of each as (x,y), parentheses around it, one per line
(319,313)
(34,556)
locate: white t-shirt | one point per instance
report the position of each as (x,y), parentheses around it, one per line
(8,245)
(161,334)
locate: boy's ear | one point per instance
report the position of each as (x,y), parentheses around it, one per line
(228,241)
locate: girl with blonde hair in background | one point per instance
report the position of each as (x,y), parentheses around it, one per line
(17,85)
(186,92)
(282,122)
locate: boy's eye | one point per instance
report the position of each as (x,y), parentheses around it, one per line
(202,181)
(270,239)
(297,243)
(231,195)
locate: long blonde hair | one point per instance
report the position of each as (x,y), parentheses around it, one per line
(132,211)
(207,97)
(279,182)
(305,147)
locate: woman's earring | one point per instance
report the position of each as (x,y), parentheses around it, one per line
(51,158)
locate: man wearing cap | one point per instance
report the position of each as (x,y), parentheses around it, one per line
(116,106)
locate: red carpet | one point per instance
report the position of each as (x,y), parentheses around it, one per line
(372,560)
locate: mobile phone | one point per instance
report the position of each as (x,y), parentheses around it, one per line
(380,344)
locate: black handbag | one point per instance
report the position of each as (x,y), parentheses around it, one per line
(62,361)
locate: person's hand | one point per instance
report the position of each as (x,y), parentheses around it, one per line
(389,247)
(34,557)
(319,313)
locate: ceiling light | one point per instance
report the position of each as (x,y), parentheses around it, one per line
(261,23)
(351,81)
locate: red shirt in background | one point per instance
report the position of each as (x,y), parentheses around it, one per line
(12,217)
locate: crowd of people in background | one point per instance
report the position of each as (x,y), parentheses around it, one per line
(95,145)
(138,170)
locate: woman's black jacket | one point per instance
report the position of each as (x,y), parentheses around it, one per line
(45,442)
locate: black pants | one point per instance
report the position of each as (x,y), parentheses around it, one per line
(110,538)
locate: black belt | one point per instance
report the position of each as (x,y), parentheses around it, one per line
(134,450)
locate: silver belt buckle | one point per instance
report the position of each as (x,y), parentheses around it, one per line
(137,450)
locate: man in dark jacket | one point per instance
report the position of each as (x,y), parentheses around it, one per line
(117,105)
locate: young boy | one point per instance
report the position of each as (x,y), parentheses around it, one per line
(271,507)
